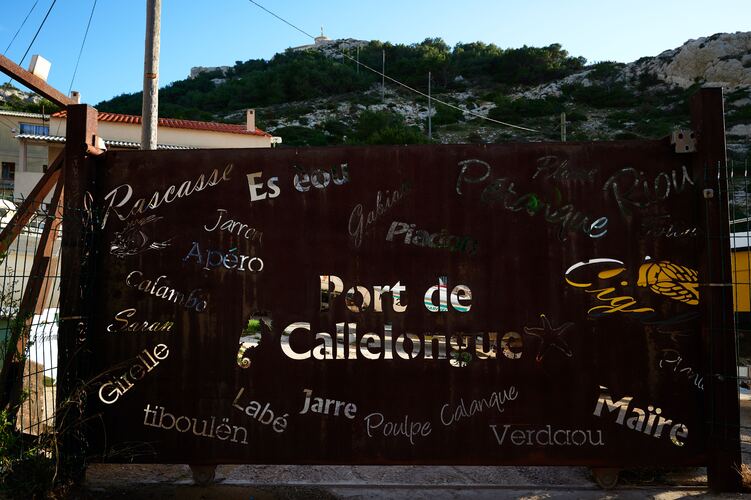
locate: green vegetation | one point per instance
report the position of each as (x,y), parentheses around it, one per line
(16,104)
(518,109)
(282,88)
(605,70)
(296,76)
(576,115)
(302,136)
(385,127)
(26,468)
(738,115)
(445,115)
(253,326)
(370,127)
(737,95)
(603,95)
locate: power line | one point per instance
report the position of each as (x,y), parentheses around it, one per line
(37,33)
(78,60)
(20,63)
(5,122)
(283,20)
(21,27)
(394,80)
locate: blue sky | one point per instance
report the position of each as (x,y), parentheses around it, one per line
(220,32)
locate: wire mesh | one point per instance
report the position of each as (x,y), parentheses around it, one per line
(29,305)
(739,198)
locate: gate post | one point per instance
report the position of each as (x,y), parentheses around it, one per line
(75,285)
(721,406)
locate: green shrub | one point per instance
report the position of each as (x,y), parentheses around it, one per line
(605,70)
(445,115)
(737,95)
(475,138)
(301,136)
(366,99)
(253,326)
(519,109)
(336,128)
(625,136)
(614,95)
(739,115)
(576,116)
(647,80)
(297,76)
(26,469)
(370,122)
(655,128)
(398,134)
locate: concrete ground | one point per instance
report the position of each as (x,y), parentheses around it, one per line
(257,482)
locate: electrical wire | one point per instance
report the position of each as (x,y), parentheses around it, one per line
(478,115)
(78,60)
(37,33)
(80,51)
(21,27)
(20,63)
(5,123)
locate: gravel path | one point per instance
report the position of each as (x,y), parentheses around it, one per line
(399,482)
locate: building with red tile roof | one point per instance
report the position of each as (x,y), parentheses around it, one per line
(45,135)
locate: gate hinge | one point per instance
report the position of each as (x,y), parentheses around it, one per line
(684,141)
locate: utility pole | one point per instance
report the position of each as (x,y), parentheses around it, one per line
(383,75)
(563,127)
(150,109)
(430,112)
(358,59)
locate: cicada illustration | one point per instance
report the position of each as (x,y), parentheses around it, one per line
(132,240)
(671,280)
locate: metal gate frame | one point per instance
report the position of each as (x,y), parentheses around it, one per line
(718,340)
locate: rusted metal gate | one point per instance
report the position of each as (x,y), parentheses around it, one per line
(505,304)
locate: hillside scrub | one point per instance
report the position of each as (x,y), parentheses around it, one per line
(519,109)
(305,75)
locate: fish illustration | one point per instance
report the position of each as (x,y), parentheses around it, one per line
(132,240)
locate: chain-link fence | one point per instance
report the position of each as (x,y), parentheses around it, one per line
(29,305)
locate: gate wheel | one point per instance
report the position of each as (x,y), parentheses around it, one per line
(203,474)
(606,477)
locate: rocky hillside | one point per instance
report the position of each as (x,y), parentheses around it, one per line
(18,100)
(318,97)
(646,98)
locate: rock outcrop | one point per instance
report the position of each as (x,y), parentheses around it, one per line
(723,59)
(197,70)
(9,93)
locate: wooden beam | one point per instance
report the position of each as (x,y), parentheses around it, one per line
(33,298)
(35,83)
(30,204)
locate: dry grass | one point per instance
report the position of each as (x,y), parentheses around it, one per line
(746,475)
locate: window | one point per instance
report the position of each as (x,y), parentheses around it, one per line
(30,128)
(8,171)
(7,174)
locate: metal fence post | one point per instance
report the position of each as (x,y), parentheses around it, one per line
(74,286)
(722,411)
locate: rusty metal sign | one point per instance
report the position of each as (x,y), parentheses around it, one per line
(509,304)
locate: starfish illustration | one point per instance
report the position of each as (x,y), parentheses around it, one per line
(550,337)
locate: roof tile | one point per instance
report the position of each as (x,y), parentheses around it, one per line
(227,128)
